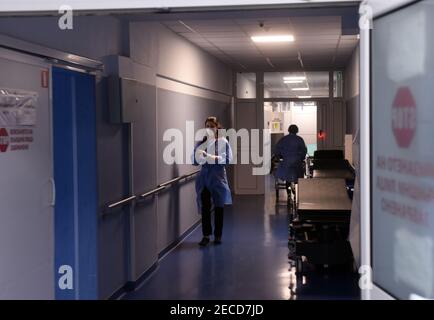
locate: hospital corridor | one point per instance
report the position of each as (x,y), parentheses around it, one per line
(251,264)
(216,151)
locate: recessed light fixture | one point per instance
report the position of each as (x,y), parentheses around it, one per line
(275,38)
(300,89)
(294,78)
(304,97)
(292,81)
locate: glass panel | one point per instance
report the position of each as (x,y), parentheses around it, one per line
(246,85)
(402,152)
(303,85)
(338,84)
(279,116)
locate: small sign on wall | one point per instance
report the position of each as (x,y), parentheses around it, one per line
(17,107)
(44,78)
(15,139)
(17,119)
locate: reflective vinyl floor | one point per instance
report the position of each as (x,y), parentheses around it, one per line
(251,263)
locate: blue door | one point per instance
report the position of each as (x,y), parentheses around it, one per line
(74,148)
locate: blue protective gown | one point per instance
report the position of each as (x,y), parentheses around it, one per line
(293,151)
(213,172)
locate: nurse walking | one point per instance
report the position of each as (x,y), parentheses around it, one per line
(212,188)
(292,149)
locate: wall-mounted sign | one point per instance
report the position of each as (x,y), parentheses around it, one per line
(402,152)
(44,78)
(404,117)
(17,107)
(16,139)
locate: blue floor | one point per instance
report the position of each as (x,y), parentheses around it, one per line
(251,263)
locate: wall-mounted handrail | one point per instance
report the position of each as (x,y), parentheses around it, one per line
(159,188)
(192,174)
(152,192)
(122,202)
(185,176)
(167,183)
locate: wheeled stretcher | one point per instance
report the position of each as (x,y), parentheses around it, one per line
(319,231)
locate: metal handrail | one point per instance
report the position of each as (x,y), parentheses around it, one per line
(152,192)
(122,202)
(159,188)
(185,176)
(192,174)
(167,183)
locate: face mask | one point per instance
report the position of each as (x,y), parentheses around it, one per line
(210,132)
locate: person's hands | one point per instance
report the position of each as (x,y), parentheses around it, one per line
(210,156)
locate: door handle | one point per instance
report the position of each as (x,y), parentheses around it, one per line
(53,192)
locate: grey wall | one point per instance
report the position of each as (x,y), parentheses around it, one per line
(246,87)
(171,56)
(157,53)
(331,119)
(92,37)
(113,185)
(144,179)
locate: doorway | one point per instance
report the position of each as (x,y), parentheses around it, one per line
(26,197)
(76,207)
(48,216)
(278,116)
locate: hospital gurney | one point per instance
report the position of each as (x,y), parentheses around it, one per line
(330,164)
(328,160)
(320,229)
(345,174)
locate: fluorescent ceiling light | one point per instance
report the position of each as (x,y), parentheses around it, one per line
(304,97)
(292,81)
(276,38)
(294,78)
(300,89)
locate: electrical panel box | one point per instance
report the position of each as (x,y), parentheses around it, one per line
(126,100)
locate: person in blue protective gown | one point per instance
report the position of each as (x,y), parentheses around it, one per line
(213,153)
(292,149)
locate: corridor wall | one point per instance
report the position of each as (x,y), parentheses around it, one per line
(182,83)
(191,85)
(93,37)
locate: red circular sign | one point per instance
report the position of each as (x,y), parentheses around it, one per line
(404,117)
(4,140)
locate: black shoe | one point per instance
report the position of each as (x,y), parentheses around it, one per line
(218,240)
(204,242)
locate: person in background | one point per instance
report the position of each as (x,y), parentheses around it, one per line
(212,188)
(293,150)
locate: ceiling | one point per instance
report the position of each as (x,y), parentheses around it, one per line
(319,41)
